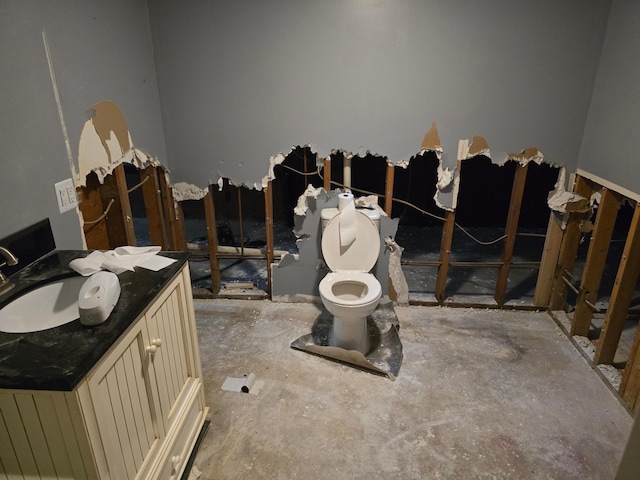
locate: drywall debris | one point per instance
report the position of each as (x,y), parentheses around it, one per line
(105,141)
(431,141)
(396,275)
(562,201)
(445,177)
(479,146)
(302,205)
(531,154)
(273,161)
(187,191)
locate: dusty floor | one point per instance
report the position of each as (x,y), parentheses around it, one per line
(480,394)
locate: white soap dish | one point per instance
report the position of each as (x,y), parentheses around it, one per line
(97,297)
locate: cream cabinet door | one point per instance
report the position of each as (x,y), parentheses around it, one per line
(172,355)
(125,409)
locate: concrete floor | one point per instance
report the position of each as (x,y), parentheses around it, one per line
(481,394)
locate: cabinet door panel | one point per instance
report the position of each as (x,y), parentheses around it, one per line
(171,364)
(123,408)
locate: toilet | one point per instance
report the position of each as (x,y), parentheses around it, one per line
(350,292)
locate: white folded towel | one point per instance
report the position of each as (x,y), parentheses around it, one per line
(120,260)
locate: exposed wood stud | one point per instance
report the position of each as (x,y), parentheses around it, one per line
(596,260)
(169,211)
(181,239)
(388,194)
(212,240)
(621,295)
(569,247)
(327,173)
(91,207)
(445,255)
(153,206)
(630,385)
(550,253)
(240,221)
(268,210)
(114,219)
(125,204)
(511,230)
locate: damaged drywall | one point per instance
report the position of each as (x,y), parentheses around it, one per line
(105,143)
(297,276)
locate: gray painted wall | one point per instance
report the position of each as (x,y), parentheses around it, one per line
(101,51)
(610,145)
(242,80)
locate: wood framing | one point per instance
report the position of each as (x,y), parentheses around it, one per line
(388,193)
(630,385)
(622,294)
(445,255)
(174,216)
(268,211)
(569,247)
(327,174)
(550,252)
(125,204)
(596,260)
(92,210)
(212,240)
(511,230)
(153,206)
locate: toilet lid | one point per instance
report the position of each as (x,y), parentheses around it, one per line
(361,255)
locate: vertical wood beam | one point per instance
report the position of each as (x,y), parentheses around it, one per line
(569,247)
(240,221)
(153,206)
(268,215)
(550,252)
(212,240)
(621,295)
(114,219)
(170,214)
(445,255)
(90,204)
(388,192)
(181,234)
(596,260)
(630,385)
(125,204)
(327,173)
(511,230)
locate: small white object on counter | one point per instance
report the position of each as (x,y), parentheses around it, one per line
(97,297)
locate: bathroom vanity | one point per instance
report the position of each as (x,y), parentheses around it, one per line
(121,400)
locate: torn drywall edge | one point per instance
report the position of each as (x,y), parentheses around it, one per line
(396,274)
(562,201)
(186,191)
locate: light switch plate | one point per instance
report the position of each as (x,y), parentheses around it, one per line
(66,195)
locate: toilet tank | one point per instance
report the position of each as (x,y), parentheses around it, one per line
(327,214)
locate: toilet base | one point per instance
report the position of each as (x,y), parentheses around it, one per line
(350,334)
(385,352)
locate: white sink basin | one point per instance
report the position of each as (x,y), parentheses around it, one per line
(48,306)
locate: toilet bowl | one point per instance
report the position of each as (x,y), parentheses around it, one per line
(349,292)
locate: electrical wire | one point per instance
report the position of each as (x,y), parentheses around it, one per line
(411,205)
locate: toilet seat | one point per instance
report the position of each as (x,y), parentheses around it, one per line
(331,282)
(361,255)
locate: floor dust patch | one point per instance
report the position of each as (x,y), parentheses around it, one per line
(385,356)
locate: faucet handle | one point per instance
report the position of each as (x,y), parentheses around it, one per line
(11,259)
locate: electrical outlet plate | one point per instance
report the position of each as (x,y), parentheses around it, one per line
(66,195)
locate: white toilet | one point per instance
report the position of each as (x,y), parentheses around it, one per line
(349,292)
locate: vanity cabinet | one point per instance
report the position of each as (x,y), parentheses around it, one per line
(137,414)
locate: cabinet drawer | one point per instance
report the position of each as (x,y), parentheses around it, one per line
(184,440)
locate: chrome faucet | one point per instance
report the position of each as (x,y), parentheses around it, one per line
(10,259)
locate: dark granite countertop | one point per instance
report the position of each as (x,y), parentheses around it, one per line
(59,358)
